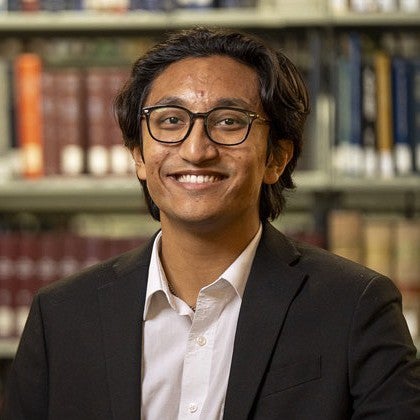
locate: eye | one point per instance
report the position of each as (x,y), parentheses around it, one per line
(228,119)
(169,118)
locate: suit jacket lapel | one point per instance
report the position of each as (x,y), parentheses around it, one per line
(121,297)
(272,285)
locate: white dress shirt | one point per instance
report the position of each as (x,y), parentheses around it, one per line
(187,355)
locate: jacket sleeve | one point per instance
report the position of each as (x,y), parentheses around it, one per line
(26,395)
(384,374)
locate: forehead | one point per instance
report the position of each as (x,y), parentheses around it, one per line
(208,80)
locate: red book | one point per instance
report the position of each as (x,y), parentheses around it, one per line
(28,71)
(48,258)
(120,157)
(70,120)
(8,252)
(50,123)
(97,126)
(26,277)
(30,5)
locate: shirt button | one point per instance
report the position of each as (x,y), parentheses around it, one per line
(192,407)
(201,341)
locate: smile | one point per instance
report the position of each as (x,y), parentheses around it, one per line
(197,179)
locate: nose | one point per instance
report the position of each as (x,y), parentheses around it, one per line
(197,147)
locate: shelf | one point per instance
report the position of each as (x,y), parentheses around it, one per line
(145,20)
(124,193)
(71,194)
(263,18)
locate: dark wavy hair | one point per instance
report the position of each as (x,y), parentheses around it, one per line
(283,93)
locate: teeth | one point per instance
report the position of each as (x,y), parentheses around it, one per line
(197,179)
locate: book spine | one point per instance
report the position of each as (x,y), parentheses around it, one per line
(369,115)
(30,5)
(5,119)
(384,119)
(407,270)
(27,90)
(345,233)
(50,123)
(402,148)
(26,278)
(355,61)
(8,252)
(70,136)
(96,98)
(120,158)
(414,107)
(378,245)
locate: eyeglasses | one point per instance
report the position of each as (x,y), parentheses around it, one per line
(227,126)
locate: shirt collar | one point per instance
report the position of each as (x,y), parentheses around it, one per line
(236,274)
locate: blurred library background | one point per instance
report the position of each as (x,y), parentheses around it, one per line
(68,194)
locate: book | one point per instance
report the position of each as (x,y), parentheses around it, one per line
(25,277)
(345,234)
(407,270)
(27,91)
(407,251)
(369,115)
(5,121)
(414,110)
(30,5)
(348,153)
(69,94)
(384,132)
(403,150)
(378,240)
(51,149)
(120,159)
(8,252)
(97,115)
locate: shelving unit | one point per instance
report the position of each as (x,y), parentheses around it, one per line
(89,194)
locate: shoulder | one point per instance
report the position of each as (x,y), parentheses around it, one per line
(82,284)
(329,271)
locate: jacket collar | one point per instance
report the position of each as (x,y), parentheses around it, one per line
(272,285)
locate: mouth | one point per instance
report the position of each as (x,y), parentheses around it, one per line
(197,179)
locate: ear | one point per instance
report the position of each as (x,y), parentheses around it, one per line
(277,161)
(138,160)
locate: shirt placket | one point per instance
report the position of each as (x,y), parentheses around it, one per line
(198,358)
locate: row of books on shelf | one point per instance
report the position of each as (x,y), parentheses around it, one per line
(31,259)
(377,95)
(56,101)
(117,6)
(374,6)
(62,119)
(387,244)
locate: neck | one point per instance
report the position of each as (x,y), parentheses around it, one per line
(193,259)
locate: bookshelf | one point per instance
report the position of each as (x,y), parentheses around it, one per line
(319,188)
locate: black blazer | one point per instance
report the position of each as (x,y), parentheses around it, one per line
(318,337)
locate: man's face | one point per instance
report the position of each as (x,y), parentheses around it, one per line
(198,182)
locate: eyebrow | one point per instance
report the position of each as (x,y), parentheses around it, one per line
(229,101)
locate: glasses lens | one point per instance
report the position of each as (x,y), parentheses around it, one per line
(168,124)
(227,126)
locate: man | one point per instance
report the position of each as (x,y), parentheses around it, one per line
(220,315)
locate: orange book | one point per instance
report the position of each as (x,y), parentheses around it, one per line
(28,72)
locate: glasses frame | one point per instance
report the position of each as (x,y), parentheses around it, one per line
(252,116)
